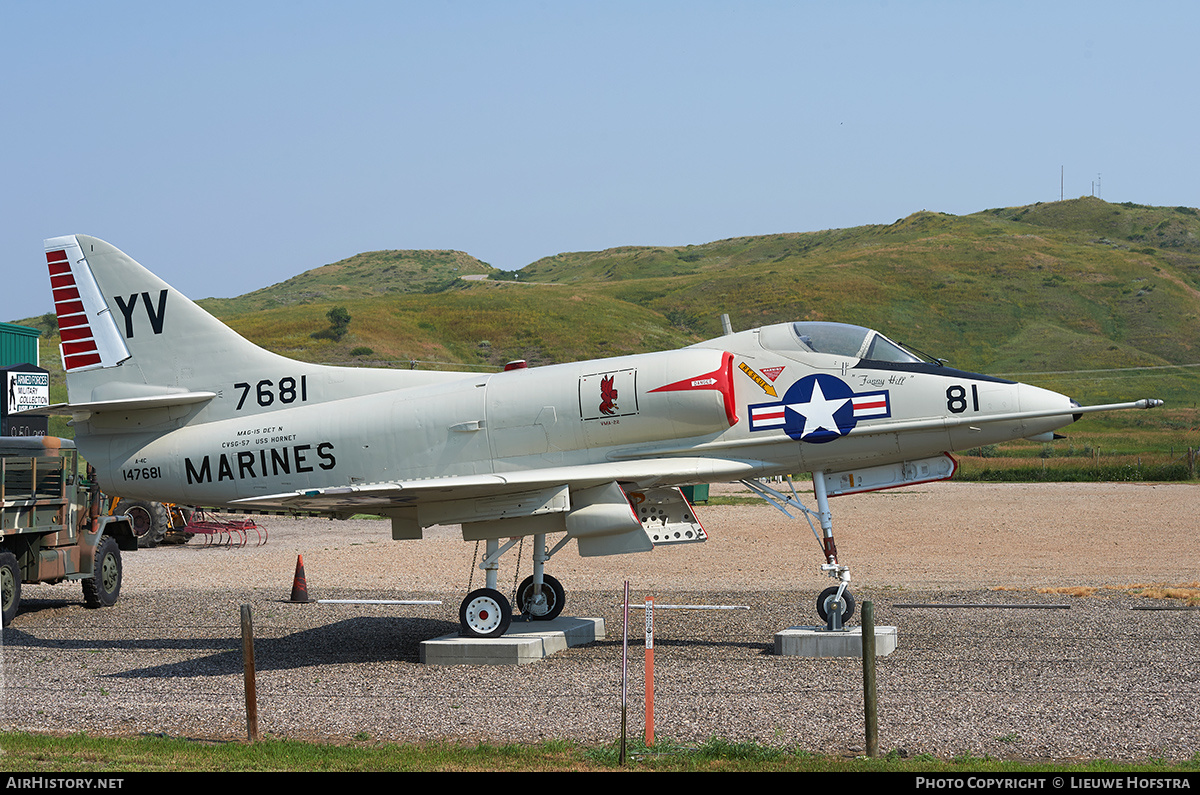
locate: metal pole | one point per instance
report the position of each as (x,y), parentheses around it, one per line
(248,674)
(624,671)
(870,703)
(649,672)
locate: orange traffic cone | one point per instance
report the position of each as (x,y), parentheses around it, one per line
(299,586)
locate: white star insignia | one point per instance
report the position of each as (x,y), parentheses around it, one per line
(818,412)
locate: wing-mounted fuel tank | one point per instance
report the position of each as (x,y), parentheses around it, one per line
(890,476)
(624,400)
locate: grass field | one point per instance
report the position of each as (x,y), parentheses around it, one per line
(109,757)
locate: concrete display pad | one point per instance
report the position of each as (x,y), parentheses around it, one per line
(820,642)
(525,642)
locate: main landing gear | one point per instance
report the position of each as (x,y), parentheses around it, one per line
(487,613)
(835,605)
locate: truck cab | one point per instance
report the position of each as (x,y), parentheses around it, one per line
(51,527)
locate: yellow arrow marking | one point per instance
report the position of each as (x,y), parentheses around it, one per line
(758,379)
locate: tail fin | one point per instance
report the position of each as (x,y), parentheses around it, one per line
(126,334)
(130,341)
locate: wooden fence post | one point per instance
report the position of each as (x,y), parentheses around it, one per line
(248,675)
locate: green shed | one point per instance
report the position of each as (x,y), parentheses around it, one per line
(18,345)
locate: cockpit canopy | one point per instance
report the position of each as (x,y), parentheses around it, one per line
(837,339)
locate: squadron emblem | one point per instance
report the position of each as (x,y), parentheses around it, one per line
(599,394)
(608,396)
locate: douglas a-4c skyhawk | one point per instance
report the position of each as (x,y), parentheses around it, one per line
(169,404)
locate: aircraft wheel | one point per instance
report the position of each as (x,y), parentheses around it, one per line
(485,613)
(104,587)
(826,599)
(10,586)
(550,603)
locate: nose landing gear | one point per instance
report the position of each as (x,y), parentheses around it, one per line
(835,605)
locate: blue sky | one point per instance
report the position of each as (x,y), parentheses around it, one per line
(228,146)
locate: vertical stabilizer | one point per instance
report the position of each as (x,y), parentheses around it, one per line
(131,341)
(128,334)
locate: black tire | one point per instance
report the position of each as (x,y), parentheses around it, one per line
(485,613)
(10,586)
(827,596)
(149,521)
(103,588)
(551,604)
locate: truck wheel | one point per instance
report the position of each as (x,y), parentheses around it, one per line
(104,586)
(10,586)
(149,521)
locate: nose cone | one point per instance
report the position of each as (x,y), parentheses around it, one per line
(1036,399)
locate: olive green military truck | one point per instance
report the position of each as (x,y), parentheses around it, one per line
(51,526)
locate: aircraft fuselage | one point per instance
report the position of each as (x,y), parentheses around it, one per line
(753,411)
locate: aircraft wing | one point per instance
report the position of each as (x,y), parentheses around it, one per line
(458,488)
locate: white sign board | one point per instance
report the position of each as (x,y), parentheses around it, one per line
(27,391)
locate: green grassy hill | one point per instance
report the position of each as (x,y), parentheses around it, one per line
(974,288)
(1079,285)
(367,275)
(1098,300)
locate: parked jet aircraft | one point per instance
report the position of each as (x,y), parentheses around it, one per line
(169,404)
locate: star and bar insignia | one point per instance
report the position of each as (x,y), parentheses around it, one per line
(819,408)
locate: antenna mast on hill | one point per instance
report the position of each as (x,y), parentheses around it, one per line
(1061,172)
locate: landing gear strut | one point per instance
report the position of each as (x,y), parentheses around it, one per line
(487,613)
(835,605)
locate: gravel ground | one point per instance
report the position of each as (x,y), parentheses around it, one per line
(1098,678)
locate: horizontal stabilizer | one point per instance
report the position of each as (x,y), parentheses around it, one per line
(84,410)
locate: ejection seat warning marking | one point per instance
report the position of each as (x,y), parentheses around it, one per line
(608,395)
(758,379)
